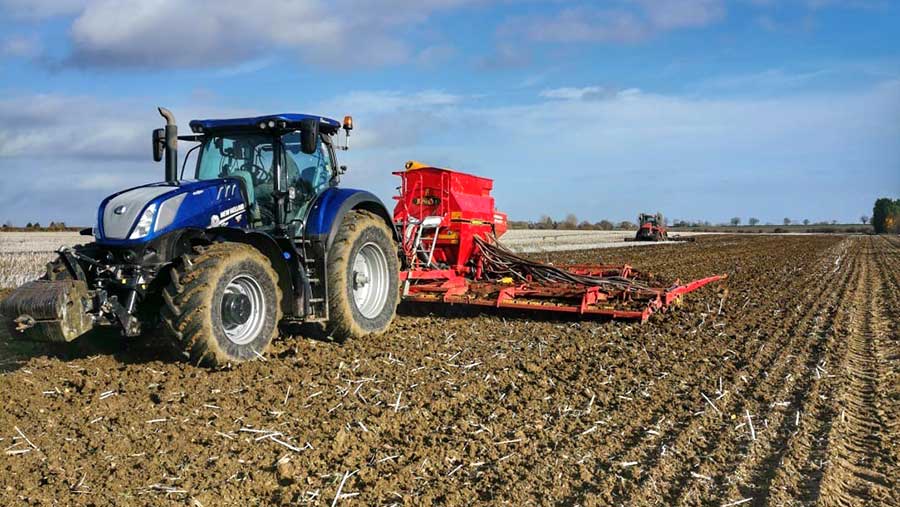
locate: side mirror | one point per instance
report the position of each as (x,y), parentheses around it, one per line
(159,143)
(309,136)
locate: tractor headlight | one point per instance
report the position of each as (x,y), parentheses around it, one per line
(143,226)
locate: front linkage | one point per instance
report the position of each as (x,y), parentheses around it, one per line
(82,289)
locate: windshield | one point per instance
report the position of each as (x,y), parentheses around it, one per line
(247,156)
(250,158)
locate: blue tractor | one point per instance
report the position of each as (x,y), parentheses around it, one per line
(256,235)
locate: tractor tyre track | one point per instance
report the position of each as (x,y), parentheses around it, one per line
(695,466)
(638,441)
(860,471)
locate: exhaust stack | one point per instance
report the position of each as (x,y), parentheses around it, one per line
(171,145)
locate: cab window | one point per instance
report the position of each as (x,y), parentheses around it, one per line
(226,155)
(248,157)
(308,173)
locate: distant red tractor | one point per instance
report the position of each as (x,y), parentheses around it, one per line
(652,228)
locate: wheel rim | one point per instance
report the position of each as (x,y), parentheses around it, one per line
(243,309)
(369,280)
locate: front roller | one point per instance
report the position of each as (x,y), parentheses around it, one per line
(48,311)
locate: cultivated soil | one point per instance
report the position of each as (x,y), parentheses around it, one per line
(780,386)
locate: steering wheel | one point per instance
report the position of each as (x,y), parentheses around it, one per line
(258,173)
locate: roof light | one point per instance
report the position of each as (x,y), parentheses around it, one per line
(348,123)
(271,124)
(262,124)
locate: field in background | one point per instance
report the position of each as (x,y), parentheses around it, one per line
(24,255)
(537,240)
(776,229)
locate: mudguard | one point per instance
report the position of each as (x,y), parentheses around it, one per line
(291,275)
(326,214)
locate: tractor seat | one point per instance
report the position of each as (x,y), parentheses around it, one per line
(314,176)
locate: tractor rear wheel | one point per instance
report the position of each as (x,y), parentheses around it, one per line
(223,304)
(363,277)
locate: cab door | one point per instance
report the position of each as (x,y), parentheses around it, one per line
(307,175)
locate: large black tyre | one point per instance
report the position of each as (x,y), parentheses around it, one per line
(363,277)
(223,304)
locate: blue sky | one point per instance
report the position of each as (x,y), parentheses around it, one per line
(703,109)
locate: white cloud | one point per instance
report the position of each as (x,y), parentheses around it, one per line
(506,56)
(216,33)
(764,81)
(589,93)
(106,182)
(690,157)
(586,25)
(621,23)
(671,14)
(569,93)
(56,126)
(60,154)
(435,55)
(857,4)
(19,46)
(63,127)
(394,101)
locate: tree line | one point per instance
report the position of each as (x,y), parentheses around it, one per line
(571,222)
(886,216)
(36,226)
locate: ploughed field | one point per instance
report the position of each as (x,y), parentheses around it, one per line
(780,386)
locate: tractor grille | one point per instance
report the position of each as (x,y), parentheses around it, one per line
(116,225)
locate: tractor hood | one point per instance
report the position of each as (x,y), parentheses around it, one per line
(141,214)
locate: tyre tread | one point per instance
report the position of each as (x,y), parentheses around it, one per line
(192,281)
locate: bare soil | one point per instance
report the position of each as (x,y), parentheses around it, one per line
(778,387)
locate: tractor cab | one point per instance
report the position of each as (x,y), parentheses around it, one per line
(282,162)
(648,220)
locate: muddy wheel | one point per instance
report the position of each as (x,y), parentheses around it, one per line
(363,281)
(223,304)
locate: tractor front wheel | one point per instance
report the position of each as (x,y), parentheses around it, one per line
(223,304)
(363,277)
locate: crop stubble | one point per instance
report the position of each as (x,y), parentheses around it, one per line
(460,407)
